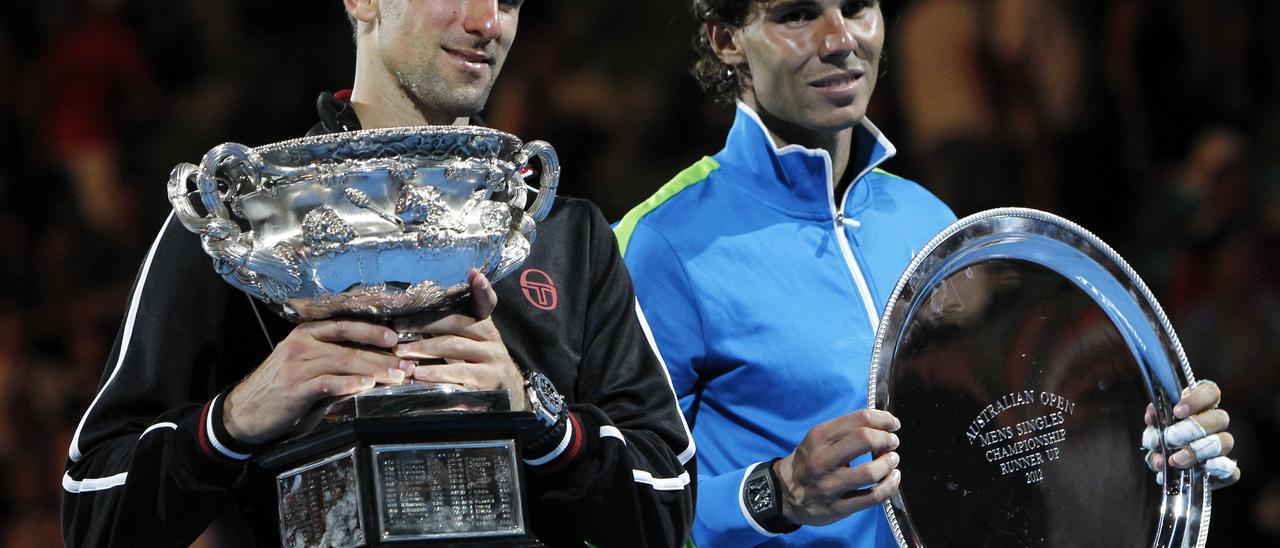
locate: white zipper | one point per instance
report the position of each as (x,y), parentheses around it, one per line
(839,219)
(863,289)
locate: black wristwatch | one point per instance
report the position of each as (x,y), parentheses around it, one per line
(762,497)
(544,400)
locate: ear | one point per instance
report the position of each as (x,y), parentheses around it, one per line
(365,11)
(724,42)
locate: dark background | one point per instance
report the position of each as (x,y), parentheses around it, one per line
(1152,122)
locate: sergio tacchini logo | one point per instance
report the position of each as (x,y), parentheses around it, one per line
(538,289)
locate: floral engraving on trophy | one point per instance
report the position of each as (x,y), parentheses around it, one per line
(420,205)
(323,229)
(1026,445)
(494,218)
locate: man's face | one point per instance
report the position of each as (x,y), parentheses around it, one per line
(446,54)
(813,63)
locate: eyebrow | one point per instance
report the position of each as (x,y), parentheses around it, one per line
(783,5)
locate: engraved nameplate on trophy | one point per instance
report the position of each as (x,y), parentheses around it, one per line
(447,490)
(319,504)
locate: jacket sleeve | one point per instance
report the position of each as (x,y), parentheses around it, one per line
(624,474)
(146,465)
(664,290)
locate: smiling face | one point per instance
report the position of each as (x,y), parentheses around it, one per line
(811,64)
(445,54)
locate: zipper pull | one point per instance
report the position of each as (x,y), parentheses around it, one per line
(851,223)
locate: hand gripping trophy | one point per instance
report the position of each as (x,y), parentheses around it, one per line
(380,224)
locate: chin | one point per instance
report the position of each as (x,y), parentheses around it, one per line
(456,105)
(836,123)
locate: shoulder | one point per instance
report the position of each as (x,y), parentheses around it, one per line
(575,232)
(572,219)
(569,210)
(179,256)
(675,204)
(908,193)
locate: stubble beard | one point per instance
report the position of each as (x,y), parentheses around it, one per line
(434,94)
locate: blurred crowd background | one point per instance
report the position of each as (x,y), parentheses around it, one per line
(1155,123)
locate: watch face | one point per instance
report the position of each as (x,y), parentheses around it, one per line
(759,494)
(547,393)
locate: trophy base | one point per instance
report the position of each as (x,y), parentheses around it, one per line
(407,465)
(403,400)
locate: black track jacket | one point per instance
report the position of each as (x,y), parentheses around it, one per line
(152,465)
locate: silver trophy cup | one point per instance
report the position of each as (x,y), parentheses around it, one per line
(380,224)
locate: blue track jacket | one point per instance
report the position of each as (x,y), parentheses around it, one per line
(763,296)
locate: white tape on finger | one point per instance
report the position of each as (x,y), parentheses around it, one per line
(1184,432)
(1220,467)
(1151,439)
(1207,447)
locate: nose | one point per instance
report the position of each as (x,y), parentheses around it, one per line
(481,19)
(837,41)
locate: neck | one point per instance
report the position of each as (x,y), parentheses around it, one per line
(381,101)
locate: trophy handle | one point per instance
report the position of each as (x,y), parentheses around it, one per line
(216,223)
(260,272)
(549,179)
(207,181)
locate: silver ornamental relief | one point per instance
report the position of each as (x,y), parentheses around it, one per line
(420,205)
(494,217)
(324,230)
(377,223)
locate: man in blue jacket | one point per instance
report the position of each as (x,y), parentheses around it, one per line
(762,270)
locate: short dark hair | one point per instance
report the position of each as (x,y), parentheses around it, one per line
(721,81)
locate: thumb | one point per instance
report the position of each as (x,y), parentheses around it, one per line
(483,298)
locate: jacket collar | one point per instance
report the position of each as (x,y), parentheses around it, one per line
(336,114)
(797,179)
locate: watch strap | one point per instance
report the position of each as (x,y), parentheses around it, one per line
(539,438)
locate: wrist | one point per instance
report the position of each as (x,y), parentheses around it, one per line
(763,497)
(215,439)
(518,393)
(230,425)
(229,422)
(781,469)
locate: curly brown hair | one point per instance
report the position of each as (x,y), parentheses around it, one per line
(721,81)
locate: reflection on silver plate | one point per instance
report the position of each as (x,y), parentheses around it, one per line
(1020,352)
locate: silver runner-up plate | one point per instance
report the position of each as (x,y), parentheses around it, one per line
(1020,352)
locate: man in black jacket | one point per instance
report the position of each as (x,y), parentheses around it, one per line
(201,376)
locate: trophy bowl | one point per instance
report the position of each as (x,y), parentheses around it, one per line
(376,223)
(1020,352)
(380,224)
